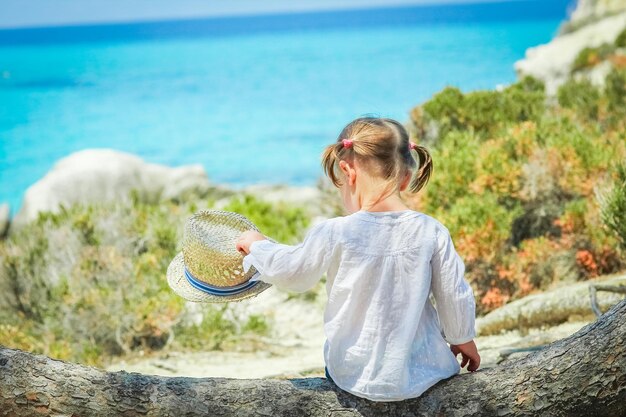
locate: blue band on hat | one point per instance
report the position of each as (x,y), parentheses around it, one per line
(220,291)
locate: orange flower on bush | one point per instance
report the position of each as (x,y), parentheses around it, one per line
(525,286)
(494,299)
(585,259)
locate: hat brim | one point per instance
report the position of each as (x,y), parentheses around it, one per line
(181,286)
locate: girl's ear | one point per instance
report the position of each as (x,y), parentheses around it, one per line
(349,171)
(405,181)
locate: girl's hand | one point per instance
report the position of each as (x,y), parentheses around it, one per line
(469,353)
(246,239)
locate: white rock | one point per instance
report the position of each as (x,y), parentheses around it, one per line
(589,9)
(552,62)
(5,217)
(598,73)
(98,175)
(303,196)
(284,193)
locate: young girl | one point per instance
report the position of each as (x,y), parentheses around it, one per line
(385,340)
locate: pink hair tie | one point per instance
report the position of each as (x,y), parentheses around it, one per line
(347,143)
(412,145)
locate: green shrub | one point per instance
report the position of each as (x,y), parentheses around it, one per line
(256,324)
(474,215)
(454,169)
(219,329)
(582,150)
(620,41)
(281,222)
(88,283)
(524,105)
(614,207)
(581,96)
(446,108)
(211,333)
(19,336)
(528,83)
(483,112)
(91,278)
(590,57)
(615,92)
(515,182)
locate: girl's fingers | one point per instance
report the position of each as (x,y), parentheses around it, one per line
(240,247)
(464,361)
(474,363)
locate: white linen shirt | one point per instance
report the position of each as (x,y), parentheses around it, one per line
(384,339)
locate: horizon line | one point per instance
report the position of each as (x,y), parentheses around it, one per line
(270,13)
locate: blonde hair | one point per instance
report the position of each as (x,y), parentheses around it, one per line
(382,145)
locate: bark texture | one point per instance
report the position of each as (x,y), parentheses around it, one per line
(582,375)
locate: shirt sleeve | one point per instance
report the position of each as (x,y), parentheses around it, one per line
(296,268)
(454,298)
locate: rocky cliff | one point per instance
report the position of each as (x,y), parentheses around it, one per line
(588,11)
(593,28)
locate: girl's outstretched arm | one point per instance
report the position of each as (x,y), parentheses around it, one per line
(295,268)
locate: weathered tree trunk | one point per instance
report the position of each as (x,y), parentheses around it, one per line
(582,375)
(551,307)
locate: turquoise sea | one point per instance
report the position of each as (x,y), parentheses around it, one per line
(255,98)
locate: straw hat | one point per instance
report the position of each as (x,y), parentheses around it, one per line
(209,269)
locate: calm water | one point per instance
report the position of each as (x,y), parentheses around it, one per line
(253,99)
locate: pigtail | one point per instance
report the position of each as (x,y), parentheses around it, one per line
(425,163)
(329,162)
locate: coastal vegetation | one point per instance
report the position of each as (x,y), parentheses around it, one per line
(531,188)
(88,283)
(591,56)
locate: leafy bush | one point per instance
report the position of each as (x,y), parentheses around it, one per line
(581,96)
(454,168)
(620,41)
(528,84)
(256,324)
(446,108)
(279,221)
(614,207)
(210,333)
(592,56)
(515,181)
(89,283)
(90,279)
(481,225)
(483,112)
(615,91)
(524,104)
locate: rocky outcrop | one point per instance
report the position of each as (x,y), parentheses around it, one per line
(5,213)
(98,175)
(588,11)
(552,62)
